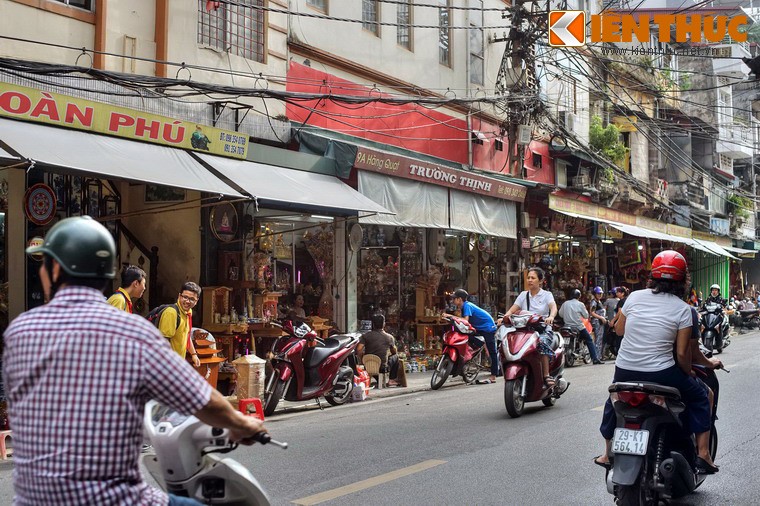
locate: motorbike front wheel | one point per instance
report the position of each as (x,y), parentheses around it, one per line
(273,393)
(441,373)
(513,399)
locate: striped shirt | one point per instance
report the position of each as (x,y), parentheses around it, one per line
(78,373)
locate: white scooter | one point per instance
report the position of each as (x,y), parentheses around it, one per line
(187,461)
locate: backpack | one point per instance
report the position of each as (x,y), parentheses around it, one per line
(154,316)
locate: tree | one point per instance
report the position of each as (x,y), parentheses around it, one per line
(607,140)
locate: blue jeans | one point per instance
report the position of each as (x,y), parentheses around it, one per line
(693,394)
(175,500)
(490,338)
(583,334)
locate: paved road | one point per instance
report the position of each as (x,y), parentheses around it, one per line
(458,446)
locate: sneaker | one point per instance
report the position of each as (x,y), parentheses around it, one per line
(599,362)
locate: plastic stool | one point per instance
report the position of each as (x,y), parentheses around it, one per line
(4,434)
(251,407)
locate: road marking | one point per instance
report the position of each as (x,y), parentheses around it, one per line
(600,408)
(368,483)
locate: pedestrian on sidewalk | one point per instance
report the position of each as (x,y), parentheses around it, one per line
(175,323)
(598,319)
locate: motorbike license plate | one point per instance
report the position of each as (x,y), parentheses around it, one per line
(632,442)
(567,341)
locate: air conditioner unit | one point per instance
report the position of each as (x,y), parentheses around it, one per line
(525,220)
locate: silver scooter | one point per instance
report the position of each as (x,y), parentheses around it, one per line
(187,459)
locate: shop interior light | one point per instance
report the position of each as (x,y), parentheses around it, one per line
(608,241)
(641,247)
(575,243)
(321,217)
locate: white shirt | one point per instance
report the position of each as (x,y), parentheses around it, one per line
(539,303)
(652,323)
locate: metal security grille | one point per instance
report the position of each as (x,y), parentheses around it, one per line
(404,19)
(707,269)
(370,16)
(82,4)
(238,29)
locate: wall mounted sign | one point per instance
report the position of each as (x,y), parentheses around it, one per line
(224,222)
(29,104)
(418,170)
(40,204)
(35,242)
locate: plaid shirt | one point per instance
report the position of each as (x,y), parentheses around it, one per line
(78,373)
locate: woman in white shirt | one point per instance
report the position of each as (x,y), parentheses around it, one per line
(652,320)
(539,301)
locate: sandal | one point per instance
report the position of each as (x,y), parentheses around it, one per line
(549,381)
(606,465)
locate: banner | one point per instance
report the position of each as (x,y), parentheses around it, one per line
(29,104)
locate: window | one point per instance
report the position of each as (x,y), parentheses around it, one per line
(444,33)
(477,68)
(82,4)
(536,160)
(318,4)
(238,29)
(404,21)
(370,16)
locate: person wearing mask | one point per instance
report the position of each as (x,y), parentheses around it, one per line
(714,298)
(598,319)
(484,325)
(539,301)
(654,320)
(132,287)
(85,451)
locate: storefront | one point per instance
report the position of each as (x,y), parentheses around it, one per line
(628,258)
(451,229)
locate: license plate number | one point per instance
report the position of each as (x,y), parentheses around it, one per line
(567,341)
(632,442)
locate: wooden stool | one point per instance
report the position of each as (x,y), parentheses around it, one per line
(401,378)
(4,434)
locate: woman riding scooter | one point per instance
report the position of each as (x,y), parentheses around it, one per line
(652,320)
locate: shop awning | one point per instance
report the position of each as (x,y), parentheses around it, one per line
(415,203)
(740,251)
(483,215)
(110,157)
(715,248)
(288,186)
(5,154)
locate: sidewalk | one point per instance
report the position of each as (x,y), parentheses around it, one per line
(416,382)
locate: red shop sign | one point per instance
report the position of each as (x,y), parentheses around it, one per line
(409,168)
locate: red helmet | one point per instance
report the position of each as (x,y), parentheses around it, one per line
(669,264)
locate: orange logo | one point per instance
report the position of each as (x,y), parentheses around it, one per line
(567,28)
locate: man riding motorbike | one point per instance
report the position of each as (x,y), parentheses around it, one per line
(653,319)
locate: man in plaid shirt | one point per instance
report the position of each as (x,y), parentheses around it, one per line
(78,373)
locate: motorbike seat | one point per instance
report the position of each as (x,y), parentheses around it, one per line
(650,388)
(337,341)
(568,331)
(315,356)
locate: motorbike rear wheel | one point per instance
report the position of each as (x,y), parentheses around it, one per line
(570,356)
(634,495)
(585,354)
(471,369)
(344,386)
(273,394)
(513,399)
(441,373)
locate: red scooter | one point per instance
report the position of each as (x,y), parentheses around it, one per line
(458,357)
(319,367)
(521,363)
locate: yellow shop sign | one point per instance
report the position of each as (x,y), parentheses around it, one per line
(30,104)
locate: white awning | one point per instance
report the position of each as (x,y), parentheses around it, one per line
(5,154)
(110,157)
(740,251)
(706,246)
(290,186)
(416,204)
(483,215)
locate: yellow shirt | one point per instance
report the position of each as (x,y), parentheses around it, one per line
(119,301)
(177,335)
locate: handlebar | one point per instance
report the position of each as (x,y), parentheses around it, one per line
(265,438)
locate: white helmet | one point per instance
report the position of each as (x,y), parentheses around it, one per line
(715,287)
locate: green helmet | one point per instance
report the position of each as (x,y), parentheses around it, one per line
(83,247)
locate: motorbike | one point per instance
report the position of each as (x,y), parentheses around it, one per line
(653,457)
(306,367)
(187,460)
(458,357)
(749,318)
(715,327)
(521,363)
(575,348)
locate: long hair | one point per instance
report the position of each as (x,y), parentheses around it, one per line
(677,288)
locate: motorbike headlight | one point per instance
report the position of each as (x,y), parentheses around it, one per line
(520,321)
